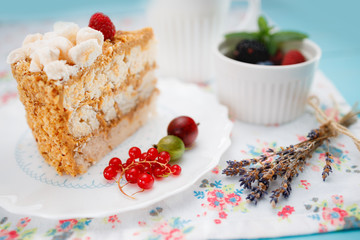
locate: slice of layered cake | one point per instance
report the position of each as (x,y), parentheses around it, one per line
(84,95)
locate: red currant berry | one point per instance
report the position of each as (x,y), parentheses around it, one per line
(109,173)
(124,165)
(130,161)
(164,157)
(143,157)
(152,154)
(116,163)
(134,152)
(158,172)
(176,169)
(167,169)
(145,181)
(132,175)
(155,165)
(165,172)
(141,167)
(147,169)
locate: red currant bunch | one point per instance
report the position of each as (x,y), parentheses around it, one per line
(141,168)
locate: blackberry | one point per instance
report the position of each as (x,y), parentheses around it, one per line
(251,51)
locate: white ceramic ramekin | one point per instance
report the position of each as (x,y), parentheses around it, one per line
(267,95)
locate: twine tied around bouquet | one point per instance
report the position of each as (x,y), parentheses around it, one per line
(336,127)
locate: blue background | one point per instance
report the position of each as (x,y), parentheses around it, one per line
(334,25)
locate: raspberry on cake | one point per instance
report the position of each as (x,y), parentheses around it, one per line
(84,95)
(102,23)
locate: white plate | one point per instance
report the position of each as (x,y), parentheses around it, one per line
(29,186)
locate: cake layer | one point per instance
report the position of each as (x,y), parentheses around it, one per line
(100,144)
(110,104)
(69,117)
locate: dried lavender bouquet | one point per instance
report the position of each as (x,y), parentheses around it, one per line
(256,174)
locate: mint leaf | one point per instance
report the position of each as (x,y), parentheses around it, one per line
(271,40)
(242,35)
(284,36)
(263,25)
(272,46)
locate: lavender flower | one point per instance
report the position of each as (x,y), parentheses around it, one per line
(257,174)
(327,168)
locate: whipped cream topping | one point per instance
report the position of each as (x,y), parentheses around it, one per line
(85,53)
(62,52)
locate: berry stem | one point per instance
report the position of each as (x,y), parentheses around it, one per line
(137,164)
(121,187)
(142,190)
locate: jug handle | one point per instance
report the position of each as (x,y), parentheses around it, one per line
(252,13)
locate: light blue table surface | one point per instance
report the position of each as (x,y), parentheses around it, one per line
(334,25)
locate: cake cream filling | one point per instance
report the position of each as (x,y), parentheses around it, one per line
(83,121)
(113,75)
(97,147)
(117,71)
(138,57)
(125,101)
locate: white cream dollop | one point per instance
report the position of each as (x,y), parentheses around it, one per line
(67,29)
(64,45)
(32,38)
(16,55)
(85,53)
(59,69)
(62,52)
(43,56)
(29,48)
(88,33)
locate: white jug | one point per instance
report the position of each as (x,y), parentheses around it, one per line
(186,31)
